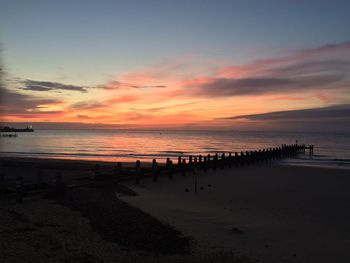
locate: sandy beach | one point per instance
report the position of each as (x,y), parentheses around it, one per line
(266,213)
(273,213)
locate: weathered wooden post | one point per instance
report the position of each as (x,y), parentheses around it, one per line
(155,170)
(215,162)
(236,161)
(229,160)
(223,161)
(195,183)
(138,171)
(169,168)
(208,161)
(242,158)
(205,164)
(19,189)
(183,167)
(194,166)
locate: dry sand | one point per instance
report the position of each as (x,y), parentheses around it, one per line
(273,213)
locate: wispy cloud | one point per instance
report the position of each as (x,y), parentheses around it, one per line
(325,67)
(333,112)
(18,104)
(34,85)
(120,85)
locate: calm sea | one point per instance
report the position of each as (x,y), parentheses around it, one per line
(112,145)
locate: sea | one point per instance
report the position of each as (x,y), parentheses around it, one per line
(330,149)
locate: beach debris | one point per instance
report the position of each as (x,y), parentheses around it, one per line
(186,190)
(209,185)
(236,230)
(202,188)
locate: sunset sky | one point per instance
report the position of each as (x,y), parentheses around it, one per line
(176,64)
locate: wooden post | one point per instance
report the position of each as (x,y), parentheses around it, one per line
(169,168)
(215,162)
(138,171)
(208,161)
(179,162)
(229,160)
(19,189)
(236,159)
(195,183)
(223,161)
(195,165)
(183,167)
(205,164)
(155,170)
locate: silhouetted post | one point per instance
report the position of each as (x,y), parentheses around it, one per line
(248,157)
(208,161)
(223,160)
(242,158)
(195,165)
(190,163)
(138,171)
(236,161)
(179,162)
(183,167)
(195,183)
(155,170)
(205,164)
(229,160)
(169,168)
(19,189)
(97,171)
(215,162)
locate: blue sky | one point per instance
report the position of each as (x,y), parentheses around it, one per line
(88,41)
(184,64)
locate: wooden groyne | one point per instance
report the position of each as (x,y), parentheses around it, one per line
(182,166)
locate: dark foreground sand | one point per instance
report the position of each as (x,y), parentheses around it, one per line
(273,213)
(270,213)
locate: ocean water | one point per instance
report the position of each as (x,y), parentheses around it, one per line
(331,149)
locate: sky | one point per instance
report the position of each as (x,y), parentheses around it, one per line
(262,65)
